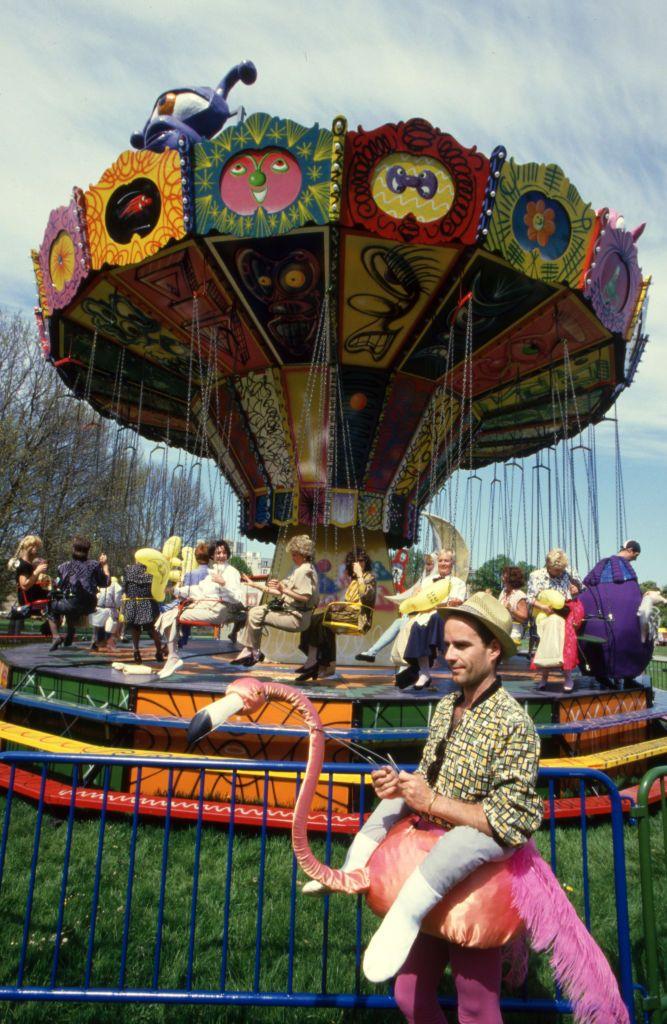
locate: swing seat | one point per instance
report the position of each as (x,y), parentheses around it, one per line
(202,625)
(333,617)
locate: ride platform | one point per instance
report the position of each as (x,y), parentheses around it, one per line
(77,694)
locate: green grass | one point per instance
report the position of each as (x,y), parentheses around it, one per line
(242,917)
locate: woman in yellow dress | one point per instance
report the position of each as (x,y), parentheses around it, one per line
(318,641)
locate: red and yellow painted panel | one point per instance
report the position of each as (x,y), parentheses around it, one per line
(135,208)
(387,287)
(413,183)
(183,291)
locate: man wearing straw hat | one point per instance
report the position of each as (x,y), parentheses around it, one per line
(476,777)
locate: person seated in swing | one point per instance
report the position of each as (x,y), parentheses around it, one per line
(202,558)
(29,568)
(513,597)
(76,585)
(105,618)
(429,573)
(318,640)
(214,601)
(421,635)
(291,601)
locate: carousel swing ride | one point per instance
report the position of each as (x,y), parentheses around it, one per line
(344,327)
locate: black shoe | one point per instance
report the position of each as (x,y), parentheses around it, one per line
(137,658)
(422,686)
(159,657)
(406,677)
(364,657)
(308,673)
(200,726)
(56,644)
(93,647)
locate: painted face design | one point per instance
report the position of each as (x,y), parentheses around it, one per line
(288,289)
(267,178)
(403,183)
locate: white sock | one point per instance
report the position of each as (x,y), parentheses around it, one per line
(358,855)
(424,678)
(388,949)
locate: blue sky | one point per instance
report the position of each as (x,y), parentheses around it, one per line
(579,83)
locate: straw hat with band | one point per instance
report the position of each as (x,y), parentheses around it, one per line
(487,610)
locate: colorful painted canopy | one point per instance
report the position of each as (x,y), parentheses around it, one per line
(340,318)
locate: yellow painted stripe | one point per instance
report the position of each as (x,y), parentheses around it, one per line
(605,759)
(36,740)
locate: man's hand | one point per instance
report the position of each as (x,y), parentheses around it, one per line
(415,791)
(385,783)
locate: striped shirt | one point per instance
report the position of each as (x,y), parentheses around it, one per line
(491,757)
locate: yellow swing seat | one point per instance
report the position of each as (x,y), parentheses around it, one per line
(333,620)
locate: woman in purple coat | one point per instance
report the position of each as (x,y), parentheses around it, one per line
(611,601)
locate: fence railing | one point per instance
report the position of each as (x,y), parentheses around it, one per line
(657,671)
(112,909)
(655,1002)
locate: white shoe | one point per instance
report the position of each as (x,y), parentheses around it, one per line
(358,855)
(388,949)
(172,665)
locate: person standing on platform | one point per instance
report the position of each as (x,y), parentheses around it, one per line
(611,601)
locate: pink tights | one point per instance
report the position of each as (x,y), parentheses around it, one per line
(476,977)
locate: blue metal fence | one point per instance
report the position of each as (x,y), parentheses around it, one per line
(110,909)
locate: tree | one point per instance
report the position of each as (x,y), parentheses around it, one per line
(240,564)
(414,567)
(66,470)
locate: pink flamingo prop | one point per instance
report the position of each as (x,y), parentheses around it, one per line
(491,907)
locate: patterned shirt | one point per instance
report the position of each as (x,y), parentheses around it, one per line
(491,757)
(540,580)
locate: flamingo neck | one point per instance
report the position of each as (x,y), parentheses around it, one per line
(340,881)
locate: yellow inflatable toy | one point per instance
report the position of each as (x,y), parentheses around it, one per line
(554,599)
(428,598)
(162,565)
(157,565)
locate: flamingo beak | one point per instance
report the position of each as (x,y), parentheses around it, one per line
(208,719)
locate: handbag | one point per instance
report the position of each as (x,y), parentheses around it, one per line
(19,611)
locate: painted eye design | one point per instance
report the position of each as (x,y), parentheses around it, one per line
(427,184)
(293,278)
(397,179)
(264,280)
(238,169)
(280,165)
